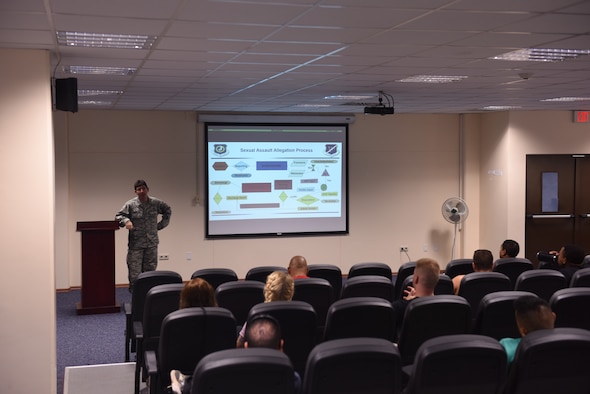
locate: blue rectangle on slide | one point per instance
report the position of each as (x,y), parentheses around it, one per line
(271,165)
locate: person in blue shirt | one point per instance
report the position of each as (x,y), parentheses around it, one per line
(532,313)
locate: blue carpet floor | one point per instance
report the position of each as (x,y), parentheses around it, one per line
(88,339)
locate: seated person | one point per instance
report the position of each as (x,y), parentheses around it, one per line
(298,267)
(197,292)
(569,260)
(425,279)
(532,313)
(483,261)
(279,287)
(509,248)
(265,331)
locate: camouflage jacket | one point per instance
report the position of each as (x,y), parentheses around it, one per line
(145,221)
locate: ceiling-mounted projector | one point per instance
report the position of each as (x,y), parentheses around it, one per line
(381,108)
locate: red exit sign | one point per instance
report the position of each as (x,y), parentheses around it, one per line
(581,116)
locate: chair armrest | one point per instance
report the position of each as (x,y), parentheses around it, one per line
(151,365)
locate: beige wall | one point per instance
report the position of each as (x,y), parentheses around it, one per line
(27,293)
(401,170)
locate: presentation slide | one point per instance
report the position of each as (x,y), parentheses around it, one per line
(276,179)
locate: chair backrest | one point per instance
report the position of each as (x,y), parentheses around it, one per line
(260,273)
(239,297)
(551,361)
(360,317)
(145,281)
(459,267)
(512,267)
(405,270)
(430,317)
(463,363)
(330,272)
(318,293)
(571,307)
(458,364)
(160,301)
(353,365)
(188,335)
(580,278)
(370,268)
(298,325)
(495,315)
(476,285)
(542,282)
(443,286)
(254,370)
(215,276)
(368,286)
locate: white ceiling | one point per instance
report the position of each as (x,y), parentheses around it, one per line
(287,55)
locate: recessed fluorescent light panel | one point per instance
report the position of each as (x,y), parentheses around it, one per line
(433,78)
(87,93)
(94,102)
(568,99)
(101,40)
(99,70)
(500,107)
(542,55)
(350,97)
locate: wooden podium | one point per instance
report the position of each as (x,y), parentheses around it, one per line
(98,267)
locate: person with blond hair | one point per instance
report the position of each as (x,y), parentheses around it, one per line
(424,280)
(279,286)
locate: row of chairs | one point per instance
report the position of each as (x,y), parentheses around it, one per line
(547,361)
(352,317)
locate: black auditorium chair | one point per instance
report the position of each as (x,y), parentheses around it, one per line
(368,286)
(298,325)
(159,302)
(134,310)
(332,273)
(360,317)
(459,267)
(370,268)
(260,273)
(443,286)
(215,276)
(353,365)
(580,278)
(551,361)
(495,315)
(318,293)
(255,370)
(429,317)
(458,364)
(239,297)
(571,307)
(476,285)
(187,336)
(512,267)
(405,270)
(541,282)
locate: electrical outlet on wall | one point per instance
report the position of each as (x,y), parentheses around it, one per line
(403,249)
(163,256)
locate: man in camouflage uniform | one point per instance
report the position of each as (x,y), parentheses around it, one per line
(140,216)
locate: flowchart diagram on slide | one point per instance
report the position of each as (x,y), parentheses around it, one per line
(275,180)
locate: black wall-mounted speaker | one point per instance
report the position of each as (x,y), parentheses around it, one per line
(66,94)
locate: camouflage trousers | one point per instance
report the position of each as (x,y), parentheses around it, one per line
(141,260)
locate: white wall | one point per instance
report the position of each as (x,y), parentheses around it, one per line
(402,168)
(27,293)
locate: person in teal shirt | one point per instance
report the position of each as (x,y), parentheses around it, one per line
(532,313)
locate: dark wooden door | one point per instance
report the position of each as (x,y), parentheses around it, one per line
(557,203)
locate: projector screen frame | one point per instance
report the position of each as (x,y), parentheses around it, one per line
(336,226)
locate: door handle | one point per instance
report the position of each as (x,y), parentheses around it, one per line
(585,215)
(564,216)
